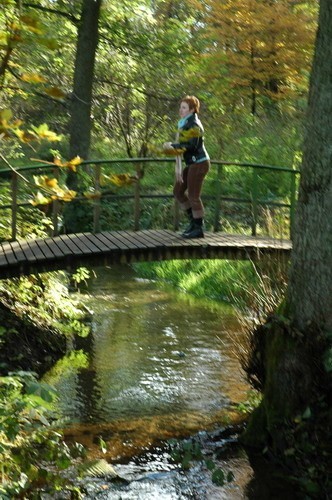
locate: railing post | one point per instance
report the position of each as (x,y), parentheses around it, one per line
(292,204)
(55,208)
(217,225)
(254,202)
(96,201)
(137,199)
(14,188)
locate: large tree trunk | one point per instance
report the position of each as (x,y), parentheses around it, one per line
(310,289)
(76,216)
(292,357)
(87,42)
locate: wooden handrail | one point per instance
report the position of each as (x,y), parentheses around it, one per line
(253,198)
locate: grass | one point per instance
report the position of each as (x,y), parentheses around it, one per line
(219,280)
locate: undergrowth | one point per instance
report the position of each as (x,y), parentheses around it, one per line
(219,280)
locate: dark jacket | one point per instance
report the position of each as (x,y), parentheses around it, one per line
(191,139)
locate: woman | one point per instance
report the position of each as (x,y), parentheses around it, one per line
(190,143)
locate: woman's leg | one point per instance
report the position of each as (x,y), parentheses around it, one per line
(195,178)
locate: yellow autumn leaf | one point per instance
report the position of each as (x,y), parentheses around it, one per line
(25,136)
(29,19)
(40,199)
(50,43)
(6,114)
(40,180)
(33,78)
(77,160)
(121,180)
(71,164)
(67,195)
(51,183)
(162,152)
(55,92)
(43,132)
(173,151)
(92,195)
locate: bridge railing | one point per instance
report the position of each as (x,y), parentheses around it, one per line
(216,196)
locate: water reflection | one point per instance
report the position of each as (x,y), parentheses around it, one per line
(155,355)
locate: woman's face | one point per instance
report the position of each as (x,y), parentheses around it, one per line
(184,109)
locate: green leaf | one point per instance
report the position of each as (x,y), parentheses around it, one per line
(307,413)
(218,477)
(210,464)
(102,445)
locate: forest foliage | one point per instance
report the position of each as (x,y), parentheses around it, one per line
(248,61)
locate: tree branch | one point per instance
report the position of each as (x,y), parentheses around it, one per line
(144,92)
(62,13)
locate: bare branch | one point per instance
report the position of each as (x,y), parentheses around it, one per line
(62,13)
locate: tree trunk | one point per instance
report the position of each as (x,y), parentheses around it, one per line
(310,288)
(80,123)
(292,353)
(75,214)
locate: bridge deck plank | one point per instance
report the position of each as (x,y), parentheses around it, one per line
(30,256)
(116,238)
(3,259)
(53,247)
(105,237)
(33,245)
(129,239)
(142,242)
(45,249)
(81,239)
(103,247)
(10,254)
(72,242)
(63,246)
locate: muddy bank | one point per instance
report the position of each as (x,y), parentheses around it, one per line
(25,344)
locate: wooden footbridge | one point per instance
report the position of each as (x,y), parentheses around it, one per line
(21,256)
(68,252)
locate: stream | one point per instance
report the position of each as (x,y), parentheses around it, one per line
(158,365)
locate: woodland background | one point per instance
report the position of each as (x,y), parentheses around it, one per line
(248,62)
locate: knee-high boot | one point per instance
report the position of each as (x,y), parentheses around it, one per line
(196,231)
(191,222)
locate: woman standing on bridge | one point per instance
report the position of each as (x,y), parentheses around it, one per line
(189,141)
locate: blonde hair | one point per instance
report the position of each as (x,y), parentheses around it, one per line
(192,102)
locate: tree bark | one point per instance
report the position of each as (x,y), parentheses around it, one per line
(310,288)
(80,123)
(292,353)
(75,214)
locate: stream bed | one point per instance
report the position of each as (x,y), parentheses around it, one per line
(159,365)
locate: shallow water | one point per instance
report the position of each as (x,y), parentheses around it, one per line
(158,364)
